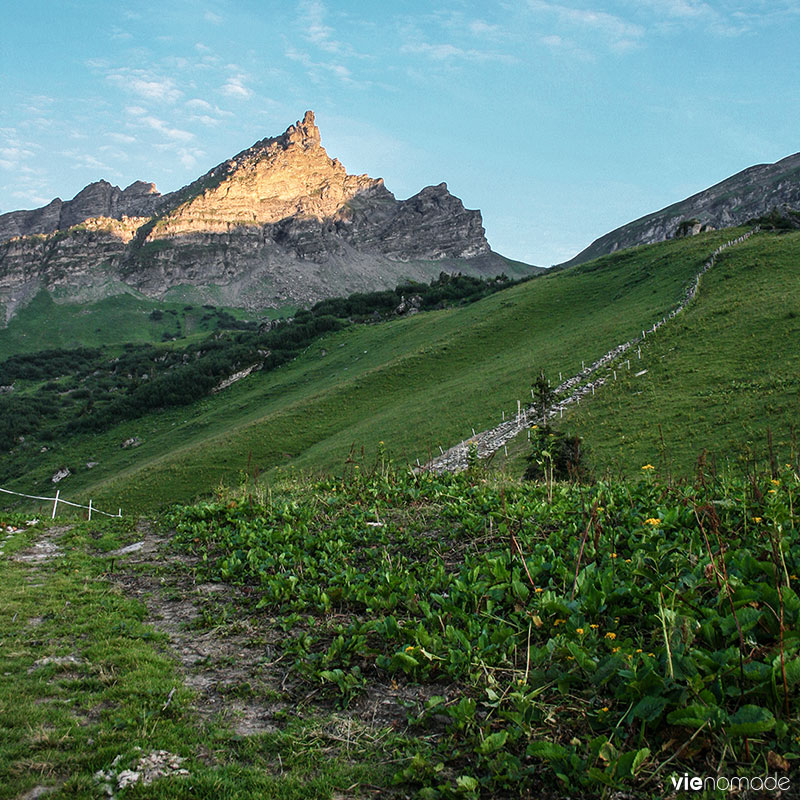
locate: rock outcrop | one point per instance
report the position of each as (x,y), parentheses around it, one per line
(749,194)
(99,199)
(279,223)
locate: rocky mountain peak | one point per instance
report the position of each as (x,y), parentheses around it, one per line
(277,178)
(279,223)
(304,132)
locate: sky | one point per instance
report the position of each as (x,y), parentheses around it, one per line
(558,120)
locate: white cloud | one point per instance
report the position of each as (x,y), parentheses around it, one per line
(135,111)
(445,51)
(146,85)
(122,138)
(78,160)
(479,27)
(12,157)
(616,33)
(214,19)
(313,13)
(198,104)
(317,69)
(234,87)
(176,134)
(189,158)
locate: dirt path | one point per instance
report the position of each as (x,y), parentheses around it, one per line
(223,656)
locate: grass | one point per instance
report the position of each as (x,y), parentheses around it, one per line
(571,641)
(718,377)
(413,383)
(44,324)
(435,637)
(114,692)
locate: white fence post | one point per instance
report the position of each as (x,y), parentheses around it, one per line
(90,509)
(57,499)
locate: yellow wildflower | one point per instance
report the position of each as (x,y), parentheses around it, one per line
(756,519)
(604,709)
(652,521)
(648,467)
(627,561)
(613,555)
(652,655)
(579,631)
(594,626)
(559,622)
(639,650)
(538,589)
(772,491)
(775,482)
(611,635)
(615,649)
(409,648)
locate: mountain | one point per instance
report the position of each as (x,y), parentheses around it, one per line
(99,199)
(754,192)
(281,223)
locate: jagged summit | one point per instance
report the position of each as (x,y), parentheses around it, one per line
(98,199)
(279,223)
(277,178)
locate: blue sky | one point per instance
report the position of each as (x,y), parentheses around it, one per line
(559,120)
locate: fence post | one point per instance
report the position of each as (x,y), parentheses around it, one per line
(55,503)
(90,509)
(119,512)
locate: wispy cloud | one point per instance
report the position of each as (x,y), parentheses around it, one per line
(12,157)
(318,70)
(313,14)
(164,128)
(612,31)
(234,87)
(214,19)
(327,54)
(444,51)
(145,84)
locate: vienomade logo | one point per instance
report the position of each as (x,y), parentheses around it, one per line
(694,783)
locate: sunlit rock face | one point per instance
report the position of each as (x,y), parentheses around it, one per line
(279,223)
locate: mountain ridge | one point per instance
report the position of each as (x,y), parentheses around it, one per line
(281,223)
(752,192)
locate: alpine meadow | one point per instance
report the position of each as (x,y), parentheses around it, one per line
(307,491)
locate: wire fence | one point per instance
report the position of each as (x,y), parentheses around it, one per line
(57,499)
(569,391)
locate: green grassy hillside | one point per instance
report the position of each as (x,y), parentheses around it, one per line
(718,377)
(413,383)
(44,324)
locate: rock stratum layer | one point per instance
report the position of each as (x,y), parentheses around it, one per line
(280,223)
(752,193)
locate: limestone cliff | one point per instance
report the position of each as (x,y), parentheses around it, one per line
(279,223)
